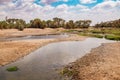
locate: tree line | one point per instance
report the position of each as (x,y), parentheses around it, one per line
(38,23)
(109,24)
(13,24)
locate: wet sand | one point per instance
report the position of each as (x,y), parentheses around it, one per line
(102,63)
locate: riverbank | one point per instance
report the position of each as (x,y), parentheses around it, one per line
(13,50)
(102,63)
(28,32)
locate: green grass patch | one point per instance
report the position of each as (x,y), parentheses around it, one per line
(112,37)
(97,35)
(96,31)
(11,69)
(68,72)
(116,32)
(91,35)
(112,31)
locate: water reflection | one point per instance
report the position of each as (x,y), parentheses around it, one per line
(36,37)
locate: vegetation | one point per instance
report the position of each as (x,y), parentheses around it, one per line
(56,23)
(13,23)
(92,35)
(11,69)
(68,72)
(109,24)
(38,23)
(82,27)
(112,37)
(108,33)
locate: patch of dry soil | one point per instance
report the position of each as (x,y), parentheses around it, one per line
(102,63)
(28,31)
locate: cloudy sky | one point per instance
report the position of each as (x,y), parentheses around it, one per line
(95,10)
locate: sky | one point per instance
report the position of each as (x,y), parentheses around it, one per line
(95,10)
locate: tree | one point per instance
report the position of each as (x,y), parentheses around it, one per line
(112,24)
(70,24)
(86,23)
(3,25)
(36,23)
(49,23)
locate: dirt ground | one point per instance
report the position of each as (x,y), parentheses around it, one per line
(28,31)
(13,50)
(102,63)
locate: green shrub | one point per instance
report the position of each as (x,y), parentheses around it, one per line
(97,36)
(112,37)
(97,31)
(11,69)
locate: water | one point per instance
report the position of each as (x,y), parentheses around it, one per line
(43,63)
(35,37)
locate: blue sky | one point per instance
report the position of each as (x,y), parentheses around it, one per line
(95,10)
(70,2)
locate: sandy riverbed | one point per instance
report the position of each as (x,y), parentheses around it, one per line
(28,31)
(102,63)
(13,50)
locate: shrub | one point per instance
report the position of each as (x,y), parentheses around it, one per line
(20,28)
(112,37)
(97,36)
(97,31)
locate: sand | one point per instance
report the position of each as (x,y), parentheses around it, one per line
(102,63)
(28,31)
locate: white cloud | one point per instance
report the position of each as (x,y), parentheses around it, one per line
(107,5)
(3,1)
(27,10)
(51,1)
(48,1)
(88,1)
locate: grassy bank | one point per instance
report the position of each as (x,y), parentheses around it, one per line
(108,33)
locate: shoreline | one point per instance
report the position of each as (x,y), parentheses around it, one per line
(102,63)
(11,51)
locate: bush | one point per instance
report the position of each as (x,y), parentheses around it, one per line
(20,28)
(112,37)
(97,31)
(97,36)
